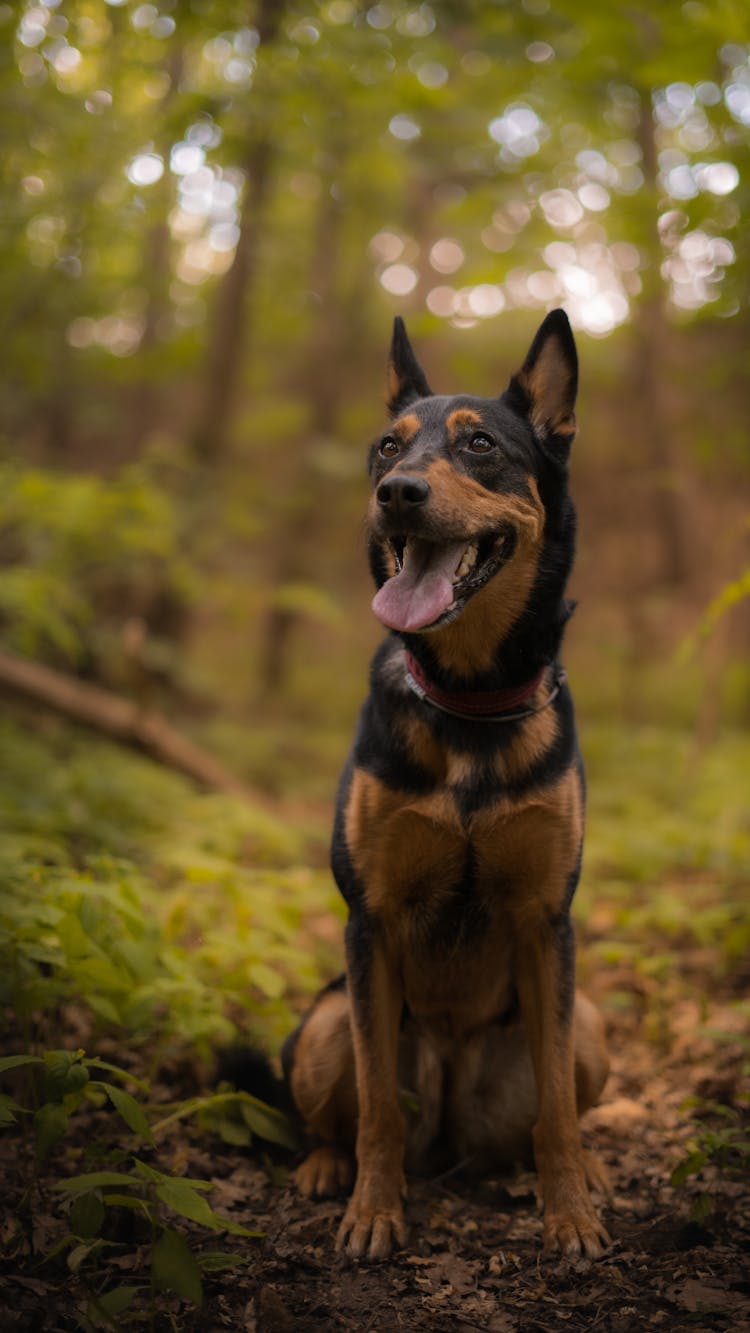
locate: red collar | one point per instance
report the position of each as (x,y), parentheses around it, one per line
(478,705)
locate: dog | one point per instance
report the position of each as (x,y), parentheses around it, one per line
(459,824)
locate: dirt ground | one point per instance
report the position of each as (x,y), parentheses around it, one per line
(473,1261)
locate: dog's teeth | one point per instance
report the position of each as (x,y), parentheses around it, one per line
(468,561)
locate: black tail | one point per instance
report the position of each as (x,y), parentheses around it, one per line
(249,1070)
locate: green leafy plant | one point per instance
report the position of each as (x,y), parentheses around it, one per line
(729,596)
(165,914)
(237,1117)
(724,1144)
(81,554)
(66,1083)
(96,1202)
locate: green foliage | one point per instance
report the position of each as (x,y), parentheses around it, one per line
(157,908)
(95,1202)
(656,807)
(734,592)
(66,1084)
(377,120)
(166,918)
(237,1117)
(721,1142)
(666,858)
(81,554)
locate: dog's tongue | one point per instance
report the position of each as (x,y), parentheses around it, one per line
(423,589)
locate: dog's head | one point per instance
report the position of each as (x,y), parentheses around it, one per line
(468,493)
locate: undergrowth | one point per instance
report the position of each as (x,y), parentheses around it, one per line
(138,914)
(142,918)
(173,916)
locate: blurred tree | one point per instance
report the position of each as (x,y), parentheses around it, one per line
(213,210)
(256,138)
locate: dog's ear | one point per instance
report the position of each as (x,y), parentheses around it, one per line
(406,379)
(545,387)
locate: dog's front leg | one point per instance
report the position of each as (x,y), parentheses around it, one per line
(545,980)
(374,1219)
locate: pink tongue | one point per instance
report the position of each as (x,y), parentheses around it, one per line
(422,590)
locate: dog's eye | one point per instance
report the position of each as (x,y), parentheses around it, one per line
(389,447)
(480,444)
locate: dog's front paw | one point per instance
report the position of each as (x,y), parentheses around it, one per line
(371,1233)
(575,1232)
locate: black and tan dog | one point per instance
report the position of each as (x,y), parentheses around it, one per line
(457,841)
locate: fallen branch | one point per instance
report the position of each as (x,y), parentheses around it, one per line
(118,717)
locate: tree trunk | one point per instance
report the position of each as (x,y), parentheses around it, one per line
(231,326)
(156,274)
(323,377)
(653,426)
(59,407)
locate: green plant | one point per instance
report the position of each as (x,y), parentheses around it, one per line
(725,1145)
(81,554)
(165,914)
(97,1203)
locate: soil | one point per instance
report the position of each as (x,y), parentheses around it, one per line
(678,1258)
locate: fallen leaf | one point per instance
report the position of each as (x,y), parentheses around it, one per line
(695,1295)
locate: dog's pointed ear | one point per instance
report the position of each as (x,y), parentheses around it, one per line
(406,378)
(545,387)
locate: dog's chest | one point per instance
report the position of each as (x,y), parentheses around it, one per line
(447,872)
(443,855)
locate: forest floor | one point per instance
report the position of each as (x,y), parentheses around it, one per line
(170,906)
(678,1258)
(474,1259)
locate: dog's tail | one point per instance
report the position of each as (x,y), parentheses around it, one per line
(249,1070)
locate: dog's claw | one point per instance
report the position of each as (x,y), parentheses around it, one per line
(575,1234)
(371,1234)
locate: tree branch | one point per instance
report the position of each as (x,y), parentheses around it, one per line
(119,718)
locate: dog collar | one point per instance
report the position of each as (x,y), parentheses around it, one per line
(480,705)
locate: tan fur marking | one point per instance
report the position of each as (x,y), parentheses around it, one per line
(380,823)
(374,1216)
(592,1058)
(406,427)
(422,746)
(393,383)
(536,849)
(460,420)
(469,643)
(570,1221)
(322,1080)
(547,385)
(535,846)
(461,507)
(462,768)
(534,739)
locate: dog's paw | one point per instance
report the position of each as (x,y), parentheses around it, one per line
(325,1171)
(371,1233)
(575,1233)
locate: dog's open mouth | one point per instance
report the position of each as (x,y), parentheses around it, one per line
(434,580)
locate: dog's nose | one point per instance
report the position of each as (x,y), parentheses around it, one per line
(402,492)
